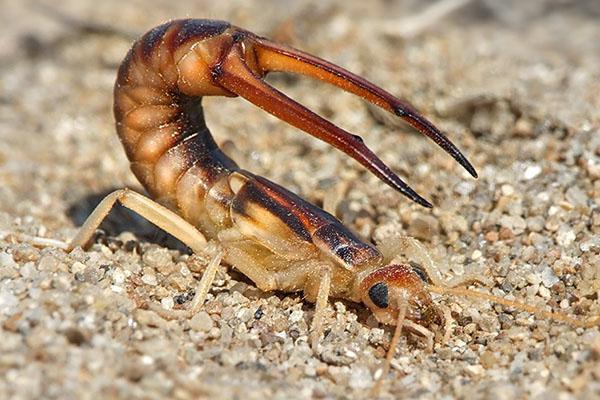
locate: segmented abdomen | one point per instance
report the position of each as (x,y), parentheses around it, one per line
(160,120)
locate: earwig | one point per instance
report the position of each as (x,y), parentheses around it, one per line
(201,196)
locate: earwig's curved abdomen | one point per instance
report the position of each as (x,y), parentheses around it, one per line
(159,117)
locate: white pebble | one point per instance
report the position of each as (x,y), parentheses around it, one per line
(201,322)
(464,188)
(8,302)
(592,243)
(360,378)
(553,210)
(565,237)
(516,224)
(549,279)
(474,370)
(296,316)
(6,260)
(77,267)
(149,279)
(531,172)
(167,303)
(310,370)
(184,271)
(118,276)
(507,190)
(534,279)
(117,289)
(147,360)
(27,270)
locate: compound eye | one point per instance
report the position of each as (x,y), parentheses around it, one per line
(379,295)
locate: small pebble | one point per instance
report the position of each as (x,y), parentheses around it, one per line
(507,190)
(591,244)
(565,236)
(77,267)
(149,279)
(118,276)
(360,378)
(201,322)
(424,227)
(491,236)
(159,259)
(488,359)
(465,188)
(296,316)
(549,278)
(576,196)
(531,172)
(6,260)
(534,279)
(167,303)
(474,370)
(8,301)
(516,224)
(48,263)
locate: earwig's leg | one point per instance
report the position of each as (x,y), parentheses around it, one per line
(276,57)
(414,250)
(235,76)
(152,211)
(393,246)
(247,265)
(201,290)
(557,316)
(320,306)
(447,326)
(420,330)
(400,323)
(169,222)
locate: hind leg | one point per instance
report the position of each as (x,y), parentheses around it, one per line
(169,222)
(147,208)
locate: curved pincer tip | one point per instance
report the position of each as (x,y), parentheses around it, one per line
(398,184)
(428,129)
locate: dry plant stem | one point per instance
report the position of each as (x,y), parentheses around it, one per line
(38,241)
(393,344)
(587,323)
(415,25)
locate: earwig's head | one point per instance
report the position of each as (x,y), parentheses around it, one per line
(387,288)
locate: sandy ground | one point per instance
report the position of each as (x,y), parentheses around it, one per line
(516,87)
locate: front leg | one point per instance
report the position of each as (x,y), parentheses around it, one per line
(321,282)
